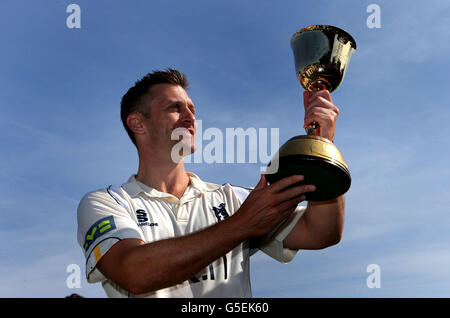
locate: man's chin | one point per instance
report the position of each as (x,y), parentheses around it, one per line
(181,150)
(190,150)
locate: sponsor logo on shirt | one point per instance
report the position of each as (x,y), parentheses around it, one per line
(98,229)
(142,218)
(220,212)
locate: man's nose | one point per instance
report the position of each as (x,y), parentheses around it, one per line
(188,115)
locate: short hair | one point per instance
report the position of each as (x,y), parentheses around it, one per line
(131,101)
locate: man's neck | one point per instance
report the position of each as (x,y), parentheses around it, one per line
(162,175)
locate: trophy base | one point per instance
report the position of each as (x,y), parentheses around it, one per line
(326,168)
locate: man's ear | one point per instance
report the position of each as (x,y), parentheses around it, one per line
(135,123)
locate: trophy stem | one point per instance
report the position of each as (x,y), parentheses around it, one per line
(313,129)
(319,85)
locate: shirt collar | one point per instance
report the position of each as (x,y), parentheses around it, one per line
(196,187)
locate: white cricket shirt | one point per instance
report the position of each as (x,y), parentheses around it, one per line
(135,210)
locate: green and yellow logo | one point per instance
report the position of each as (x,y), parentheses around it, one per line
(99,228)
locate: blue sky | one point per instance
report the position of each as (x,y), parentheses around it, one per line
(61,133)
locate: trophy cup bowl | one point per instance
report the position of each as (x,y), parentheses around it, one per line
(321,54)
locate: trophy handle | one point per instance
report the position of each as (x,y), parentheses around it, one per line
(313,129)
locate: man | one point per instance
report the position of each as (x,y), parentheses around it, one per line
(166,233)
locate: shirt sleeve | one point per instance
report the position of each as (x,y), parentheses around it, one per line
(102,222)
(272,243)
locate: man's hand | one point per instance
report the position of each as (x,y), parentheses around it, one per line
(319,108)
(268,205)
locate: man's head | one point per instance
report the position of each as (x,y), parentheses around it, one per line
(137,99)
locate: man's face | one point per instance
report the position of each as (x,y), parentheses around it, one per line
(171,117)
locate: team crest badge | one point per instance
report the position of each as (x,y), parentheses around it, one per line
(220,212)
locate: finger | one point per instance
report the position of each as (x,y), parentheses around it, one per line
(321,115)
(306,97)
(322,103)
(295,192)
(286,182)
(262,183)
(291,203)
(328,110)
(322,93)
(287,207)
